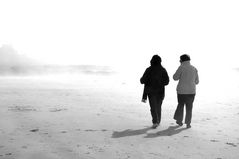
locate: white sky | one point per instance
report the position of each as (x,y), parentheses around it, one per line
(123,32)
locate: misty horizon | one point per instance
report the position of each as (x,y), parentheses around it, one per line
(55,69)
(13,63)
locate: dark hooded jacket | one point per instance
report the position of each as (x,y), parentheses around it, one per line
(155,79)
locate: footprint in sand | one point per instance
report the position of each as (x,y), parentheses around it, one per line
(104,130)
(34,130)
(63,132)
(90,130)
(22,108)
(24,147)
(231,144)
(8,154)
(57,109)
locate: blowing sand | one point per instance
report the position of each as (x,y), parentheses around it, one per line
(101,117)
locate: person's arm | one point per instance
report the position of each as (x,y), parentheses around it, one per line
(177,74)
(144,78)
(165,77)
(197,78)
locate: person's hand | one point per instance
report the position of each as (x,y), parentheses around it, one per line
(144,100)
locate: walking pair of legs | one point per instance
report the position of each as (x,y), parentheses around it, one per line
(187,100)
(155,103)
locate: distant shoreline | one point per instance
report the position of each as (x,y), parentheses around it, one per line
(55,69)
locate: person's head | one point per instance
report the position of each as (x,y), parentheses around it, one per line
(156,60)
(184,57)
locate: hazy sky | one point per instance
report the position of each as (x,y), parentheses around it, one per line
(123,32)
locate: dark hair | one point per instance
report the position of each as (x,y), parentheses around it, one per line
(156,60)
(184,57)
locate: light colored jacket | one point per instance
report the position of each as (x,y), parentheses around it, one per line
(188,78)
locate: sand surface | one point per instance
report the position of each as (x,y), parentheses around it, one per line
(101,117)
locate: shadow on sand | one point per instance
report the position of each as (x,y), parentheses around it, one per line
(129,132)
(171,130)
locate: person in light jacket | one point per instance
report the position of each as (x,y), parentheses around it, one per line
(186,89)
(155,78)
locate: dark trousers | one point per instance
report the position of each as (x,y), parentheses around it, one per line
(187,100)
(155,102)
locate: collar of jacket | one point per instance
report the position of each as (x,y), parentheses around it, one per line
(185,62)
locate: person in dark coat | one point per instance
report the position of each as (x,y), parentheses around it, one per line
(155,78)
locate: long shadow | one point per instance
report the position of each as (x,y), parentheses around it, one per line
(129,132)
(170,131)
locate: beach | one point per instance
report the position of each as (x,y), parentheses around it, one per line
(102,117)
